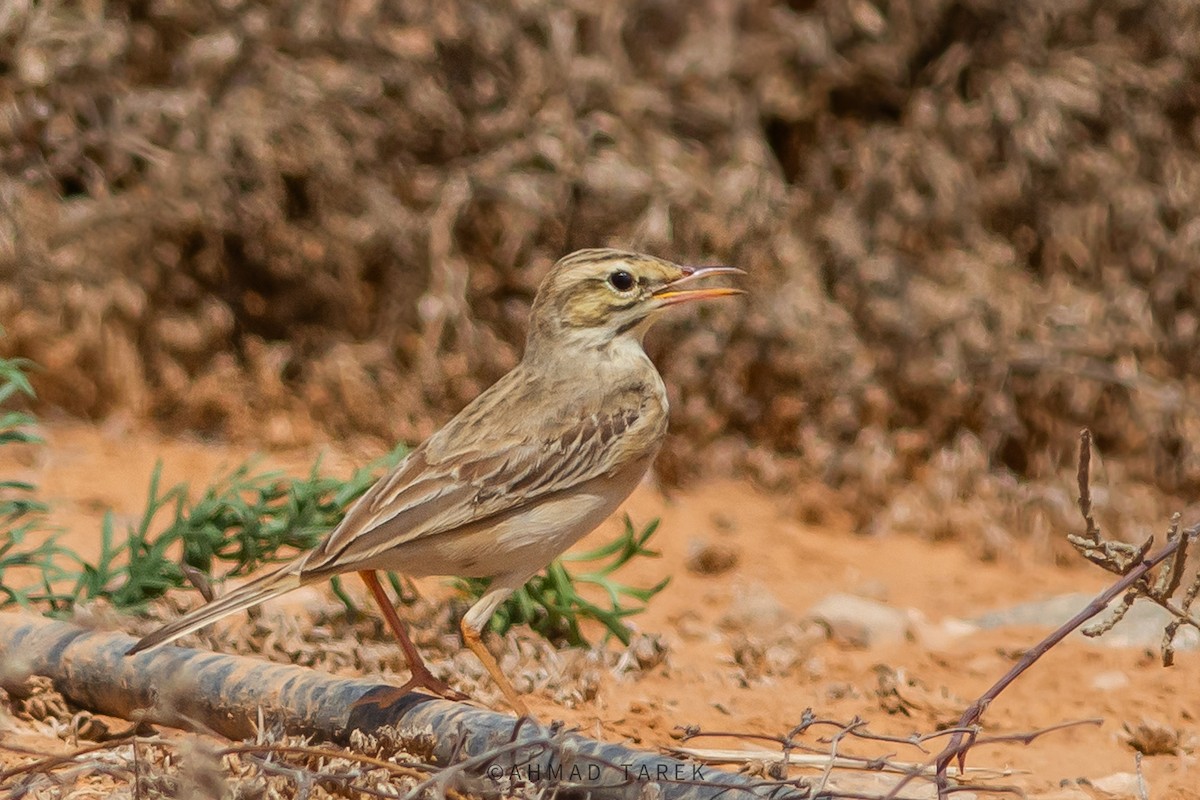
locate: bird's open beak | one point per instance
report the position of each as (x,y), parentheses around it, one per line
(672,294)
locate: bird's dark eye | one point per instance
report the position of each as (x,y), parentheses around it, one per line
(621,280)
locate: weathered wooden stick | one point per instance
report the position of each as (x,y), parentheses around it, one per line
(192,689)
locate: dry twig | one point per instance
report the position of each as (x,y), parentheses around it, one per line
(1129,561)
(830,756)
(1121,557)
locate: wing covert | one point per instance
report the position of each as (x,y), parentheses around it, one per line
(423,497)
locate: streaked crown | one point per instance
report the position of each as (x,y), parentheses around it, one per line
(600,294)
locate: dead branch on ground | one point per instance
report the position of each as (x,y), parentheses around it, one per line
(1121,558)
(1139,579)
(827,755)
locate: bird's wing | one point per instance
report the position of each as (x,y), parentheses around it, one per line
(425,496)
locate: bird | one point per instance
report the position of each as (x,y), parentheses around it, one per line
(534,463)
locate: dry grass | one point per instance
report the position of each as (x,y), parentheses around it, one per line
(970,226)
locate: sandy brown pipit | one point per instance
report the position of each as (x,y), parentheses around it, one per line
(531,465)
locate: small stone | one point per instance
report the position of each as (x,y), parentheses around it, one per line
(691,627)
(1050,612)
(860,622)
(1118,786)
(648,651)
(941,635)
(901,693)
(706,558)
(1141,628)
(1110,681)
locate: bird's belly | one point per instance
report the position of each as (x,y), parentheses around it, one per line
(522,541)
(535,537)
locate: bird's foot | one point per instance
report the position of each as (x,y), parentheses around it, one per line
(422,679)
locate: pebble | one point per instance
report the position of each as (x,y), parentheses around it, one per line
(1110,680)
(941,635)
(860,622)
(709,558)
(1118,786)
(1141,628)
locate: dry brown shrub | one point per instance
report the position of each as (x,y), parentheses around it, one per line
(970,224)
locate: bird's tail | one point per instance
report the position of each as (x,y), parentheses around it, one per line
(273,584)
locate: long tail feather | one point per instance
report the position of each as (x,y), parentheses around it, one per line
(273,584)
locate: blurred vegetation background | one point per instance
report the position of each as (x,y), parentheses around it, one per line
(971,227)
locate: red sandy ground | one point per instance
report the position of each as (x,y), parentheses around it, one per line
(85,470)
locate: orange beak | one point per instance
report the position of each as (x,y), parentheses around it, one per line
(671,294)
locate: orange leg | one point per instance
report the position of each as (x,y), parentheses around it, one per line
(421,678)
(473,639)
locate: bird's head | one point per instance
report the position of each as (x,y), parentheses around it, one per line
(598,296)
